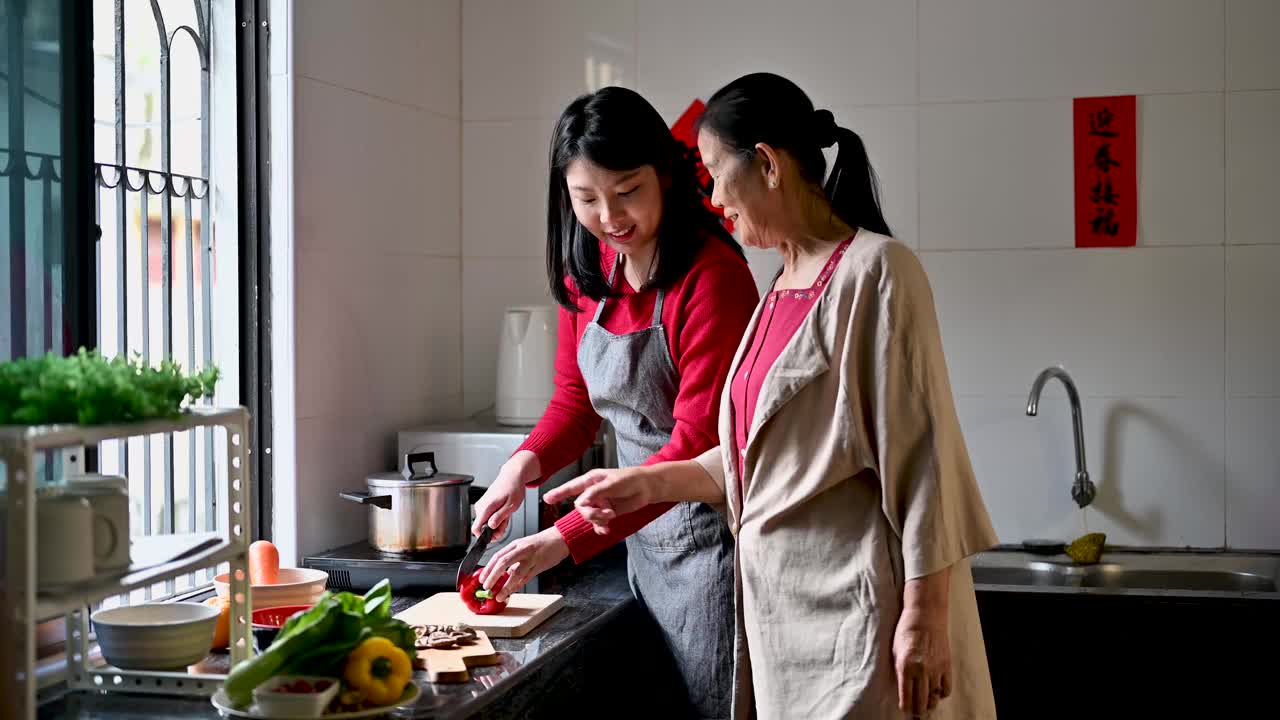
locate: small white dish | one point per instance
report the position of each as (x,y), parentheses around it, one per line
(253,712)
(268,699)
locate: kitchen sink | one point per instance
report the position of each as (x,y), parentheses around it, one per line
(1213,581)
(1039,574)
(1177,572)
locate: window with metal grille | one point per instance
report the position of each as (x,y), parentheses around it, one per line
(167,280)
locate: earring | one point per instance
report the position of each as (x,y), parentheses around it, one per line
(773,184)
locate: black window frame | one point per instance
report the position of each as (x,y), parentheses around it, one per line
(254,162)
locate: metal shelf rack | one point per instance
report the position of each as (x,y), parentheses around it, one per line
(19,446)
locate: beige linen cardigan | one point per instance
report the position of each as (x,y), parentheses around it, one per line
(855,479)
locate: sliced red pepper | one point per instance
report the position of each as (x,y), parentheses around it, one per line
(481,601)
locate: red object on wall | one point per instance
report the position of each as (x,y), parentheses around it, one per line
(683,131)
(1106,164)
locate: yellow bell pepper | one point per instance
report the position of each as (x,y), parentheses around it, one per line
(378,669)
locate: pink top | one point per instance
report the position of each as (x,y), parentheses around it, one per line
(784,311)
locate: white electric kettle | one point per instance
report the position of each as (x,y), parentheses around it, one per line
(526,364)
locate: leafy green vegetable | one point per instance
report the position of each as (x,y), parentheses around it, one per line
(308,629)
(88,389)
(317,641)
(377,602)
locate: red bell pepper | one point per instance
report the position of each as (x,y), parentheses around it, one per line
(481,601)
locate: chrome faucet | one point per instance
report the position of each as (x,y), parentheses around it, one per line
(1083,490)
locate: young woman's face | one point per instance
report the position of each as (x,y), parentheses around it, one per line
(621,208)
(738,187)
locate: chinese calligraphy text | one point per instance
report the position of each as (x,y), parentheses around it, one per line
(1106,177)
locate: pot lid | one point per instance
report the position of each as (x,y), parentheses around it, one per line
(419,471)
(396,480)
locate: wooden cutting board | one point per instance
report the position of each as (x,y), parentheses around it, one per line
(525,611)
(452,665)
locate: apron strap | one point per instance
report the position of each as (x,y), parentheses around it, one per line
(657,307)
(657,303)
(613,272)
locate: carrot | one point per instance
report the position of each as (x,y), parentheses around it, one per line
(264,563)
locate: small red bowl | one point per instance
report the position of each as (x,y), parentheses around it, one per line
(267,622)
(275,617)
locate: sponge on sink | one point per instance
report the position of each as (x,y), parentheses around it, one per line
(1087,549)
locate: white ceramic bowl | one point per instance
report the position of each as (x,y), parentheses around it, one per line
(296,586)
(293,705)
(155,636)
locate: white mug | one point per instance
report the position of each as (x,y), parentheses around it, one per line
(64,537)
(109,496)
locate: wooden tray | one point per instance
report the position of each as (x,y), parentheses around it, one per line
(453,665)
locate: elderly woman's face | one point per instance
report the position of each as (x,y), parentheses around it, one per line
(740,190)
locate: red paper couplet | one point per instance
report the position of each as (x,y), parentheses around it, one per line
(1106,162)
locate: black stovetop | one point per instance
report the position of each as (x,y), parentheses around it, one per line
(358,567)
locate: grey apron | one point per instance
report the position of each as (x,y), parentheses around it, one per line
(681,564)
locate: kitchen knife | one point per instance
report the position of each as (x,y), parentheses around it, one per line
(472,559)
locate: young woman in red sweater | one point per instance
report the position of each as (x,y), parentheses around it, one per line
(655,295)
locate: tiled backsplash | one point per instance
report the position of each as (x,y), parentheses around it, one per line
(966,109)
(377,251)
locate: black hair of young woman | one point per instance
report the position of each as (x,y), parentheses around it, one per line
(770,109)
(617,129)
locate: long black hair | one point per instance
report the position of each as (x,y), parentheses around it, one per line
(770,109)
(619,130)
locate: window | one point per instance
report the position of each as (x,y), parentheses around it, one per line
(160,273)
(158,121)
(39,192)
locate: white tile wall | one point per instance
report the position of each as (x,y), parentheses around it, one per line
(377,244)
(334,454)
(1180,175)
(1002,49)
(326,309)
(489,285)
(1157,464)
(996,175)
(504,187)
(764,265)
(857,52)
(1123,322)
(529,59)
(1252,60)
(1253,472)
(1253,167)
(406,51)
(412,325)
(966,109)
(889,134)
(1253,326)
(386,331)
(371,173)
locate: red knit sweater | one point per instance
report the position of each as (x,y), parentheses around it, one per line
(706,313)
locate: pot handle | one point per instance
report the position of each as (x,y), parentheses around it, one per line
(364,498)
(419,457)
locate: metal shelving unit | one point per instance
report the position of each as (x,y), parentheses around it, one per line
(19,446)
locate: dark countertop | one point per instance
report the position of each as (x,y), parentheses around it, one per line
(549,666)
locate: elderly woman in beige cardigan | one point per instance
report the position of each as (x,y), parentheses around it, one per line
(841,463)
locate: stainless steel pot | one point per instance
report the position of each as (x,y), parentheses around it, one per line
(414,511)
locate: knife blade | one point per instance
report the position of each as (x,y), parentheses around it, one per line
(472,559)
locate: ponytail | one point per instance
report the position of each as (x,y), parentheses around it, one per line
(852,188)
(770,109)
